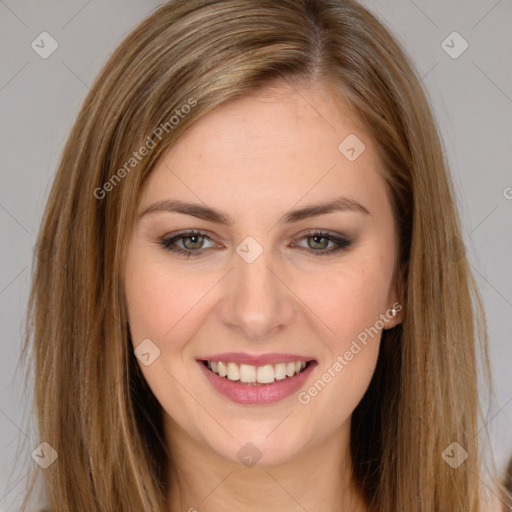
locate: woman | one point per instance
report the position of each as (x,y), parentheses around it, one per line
(249,286)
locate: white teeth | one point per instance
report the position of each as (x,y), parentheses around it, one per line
(233,371)
(223,370)
(265,374)
(280,371)
(247,373)
(250,374)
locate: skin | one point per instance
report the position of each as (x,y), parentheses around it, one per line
(257,158)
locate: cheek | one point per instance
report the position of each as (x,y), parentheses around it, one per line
(349,297)
(148,306)
(160,299)
(349,300)
(350,306)
(159,310)
(353,345)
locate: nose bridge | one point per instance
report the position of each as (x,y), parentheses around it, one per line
(259,304)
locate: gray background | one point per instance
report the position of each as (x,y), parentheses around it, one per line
(40,98)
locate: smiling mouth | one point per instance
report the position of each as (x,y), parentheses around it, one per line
(257,375)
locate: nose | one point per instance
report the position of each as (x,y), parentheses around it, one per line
(258,302)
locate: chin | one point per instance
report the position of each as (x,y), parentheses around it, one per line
(261,448)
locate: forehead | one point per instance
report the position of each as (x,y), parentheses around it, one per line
(282,140)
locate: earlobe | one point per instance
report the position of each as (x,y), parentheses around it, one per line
(393,317)
(393,313)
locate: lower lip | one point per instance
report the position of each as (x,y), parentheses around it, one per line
(257,393)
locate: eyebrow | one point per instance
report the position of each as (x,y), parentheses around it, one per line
(219,217)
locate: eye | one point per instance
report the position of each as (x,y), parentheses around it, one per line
(192,242)
(318,242)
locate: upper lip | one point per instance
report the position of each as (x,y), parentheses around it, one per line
(255,360)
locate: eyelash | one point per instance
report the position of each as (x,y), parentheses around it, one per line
(341,242)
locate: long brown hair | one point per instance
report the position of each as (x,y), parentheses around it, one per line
(92,403)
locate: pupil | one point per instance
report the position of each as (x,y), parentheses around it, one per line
(193,238)
(316,238)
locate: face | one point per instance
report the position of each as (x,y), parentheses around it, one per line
(256,287)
